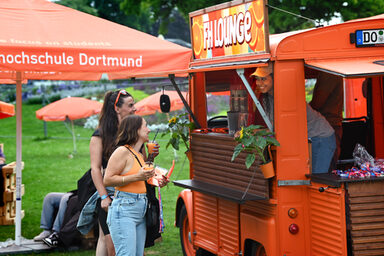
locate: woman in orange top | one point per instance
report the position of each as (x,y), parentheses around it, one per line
(125,171)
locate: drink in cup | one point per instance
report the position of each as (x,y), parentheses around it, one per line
(148,166)
(151,146)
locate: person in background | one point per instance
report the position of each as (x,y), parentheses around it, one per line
(327,99)
(127,171)
(52,215)
(116,106)
(2,156)
(320,132)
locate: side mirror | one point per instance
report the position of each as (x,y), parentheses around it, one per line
(165,103)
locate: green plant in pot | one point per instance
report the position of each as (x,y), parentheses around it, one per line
(255,140)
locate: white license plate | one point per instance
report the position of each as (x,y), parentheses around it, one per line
(370,37)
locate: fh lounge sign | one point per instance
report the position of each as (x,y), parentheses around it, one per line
(240,29)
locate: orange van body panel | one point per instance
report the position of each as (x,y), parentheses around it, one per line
(327,224)
(324,43)
(266,231)
(355,102)
(185,198)
(378,115)
(290,121)
(198,97)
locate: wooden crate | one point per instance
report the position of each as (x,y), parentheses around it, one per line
(8,195)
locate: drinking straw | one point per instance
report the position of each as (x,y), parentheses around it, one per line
(155,135)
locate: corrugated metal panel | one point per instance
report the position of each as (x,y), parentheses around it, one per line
(228,228)
(259,208)
(366,204)
(216,225)
(212,163)
(206,221)
(327,223)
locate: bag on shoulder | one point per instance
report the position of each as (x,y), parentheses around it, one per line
(152,217)
(153,213)
(85,188)
(153,209)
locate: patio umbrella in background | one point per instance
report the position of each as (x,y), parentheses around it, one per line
(6,110)
(70,108)
(151,104)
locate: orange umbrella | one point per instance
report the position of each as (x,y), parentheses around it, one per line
(151,104)
(6,110)
(70,108)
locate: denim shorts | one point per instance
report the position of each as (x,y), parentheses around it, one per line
(322,153)
(126,222)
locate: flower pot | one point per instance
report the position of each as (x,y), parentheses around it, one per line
(267,170)
(188,153)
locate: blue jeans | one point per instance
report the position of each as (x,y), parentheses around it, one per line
(54,206)
(322,153)
(127,224)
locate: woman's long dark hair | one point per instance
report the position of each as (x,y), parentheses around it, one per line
(128,132)
(108,121)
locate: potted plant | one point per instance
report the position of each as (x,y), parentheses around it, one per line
(178,127)
(255,140)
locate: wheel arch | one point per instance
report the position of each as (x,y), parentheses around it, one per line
(184,198)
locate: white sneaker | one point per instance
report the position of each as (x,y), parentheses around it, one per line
(42,235)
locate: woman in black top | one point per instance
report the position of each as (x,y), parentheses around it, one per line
(117,105)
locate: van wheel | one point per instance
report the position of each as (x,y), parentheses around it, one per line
(258,250)
(185,234)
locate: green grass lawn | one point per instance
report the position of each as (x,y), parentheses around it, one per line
(48,168)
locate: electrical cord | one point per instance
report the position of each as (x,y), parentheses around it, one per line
(317,24)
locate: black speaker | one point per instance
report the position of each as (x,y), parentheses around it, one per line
(165,103)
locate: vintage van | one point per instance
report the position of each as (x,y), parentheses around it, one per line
(227,209)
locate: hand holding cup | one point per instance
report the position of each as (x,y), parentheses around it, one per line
(148,170)
(153,150)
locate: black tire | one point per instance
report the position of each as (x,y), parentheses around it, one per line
(258,250)
(185,234)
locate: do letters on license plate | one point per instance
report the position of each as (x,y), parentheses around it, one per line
(370,37)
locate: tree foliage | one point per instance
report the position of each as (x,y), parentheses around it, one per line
(320,11)
(110,10)
(170,17)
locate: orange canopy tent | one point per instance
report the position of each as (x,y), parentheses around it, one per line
(43,40)
(70,108)
(151,104)
(6,110)
(50,41)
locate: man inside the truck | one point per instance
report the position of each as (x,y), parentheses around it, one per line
(328,100)
(320,132)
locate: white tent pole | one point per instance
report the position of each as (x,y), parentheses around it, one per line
(18,157)
(74,138)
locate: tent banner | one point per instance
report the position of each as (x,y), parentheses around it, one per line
(68,60)
(240,29)
(52,63)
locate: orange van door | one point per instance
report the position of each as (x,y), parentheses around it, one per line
(327,224)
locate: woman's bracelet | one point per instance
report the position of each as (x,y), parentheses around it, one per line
(123,180)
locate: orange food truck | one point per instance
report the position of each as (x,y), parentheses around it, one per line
(227,209)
